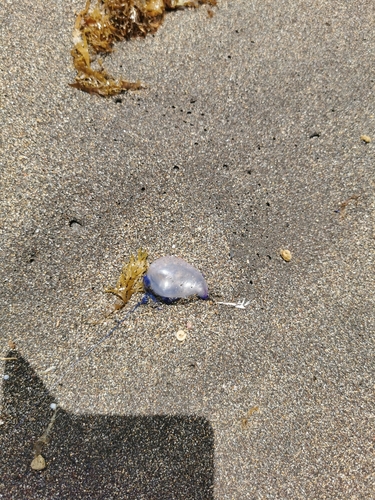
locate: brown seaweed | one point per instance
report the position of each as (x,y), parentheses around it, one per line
(130,280)
(98,28)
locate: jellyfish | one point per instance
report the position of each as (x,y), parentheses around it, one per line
(166,280)
(170,278)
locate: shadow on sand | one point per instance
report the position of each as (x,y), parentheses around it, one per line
(98,456)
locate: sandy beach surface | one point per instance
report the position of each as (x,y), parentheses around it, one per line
(245,141)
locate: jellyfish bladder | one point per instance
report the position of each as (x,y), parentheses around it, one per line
(172,278)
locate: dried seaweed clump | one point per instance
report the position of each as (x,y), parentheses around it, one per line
(130,280)
(98,28)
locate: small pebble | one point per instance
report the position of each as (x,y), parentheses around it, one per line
(6,377)
(53,406)
(38,463)
(11,344)
(180,335)
(189,325)
(365,138)
(286,255)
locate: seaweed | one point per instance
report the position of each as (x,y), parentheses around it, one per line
(130,280)
(98,28)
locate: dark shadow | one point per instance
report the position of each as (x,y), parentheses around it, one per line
(97,456)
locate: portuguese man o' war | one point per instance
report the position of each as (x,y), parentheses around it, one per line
(172,278)
(167,279)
